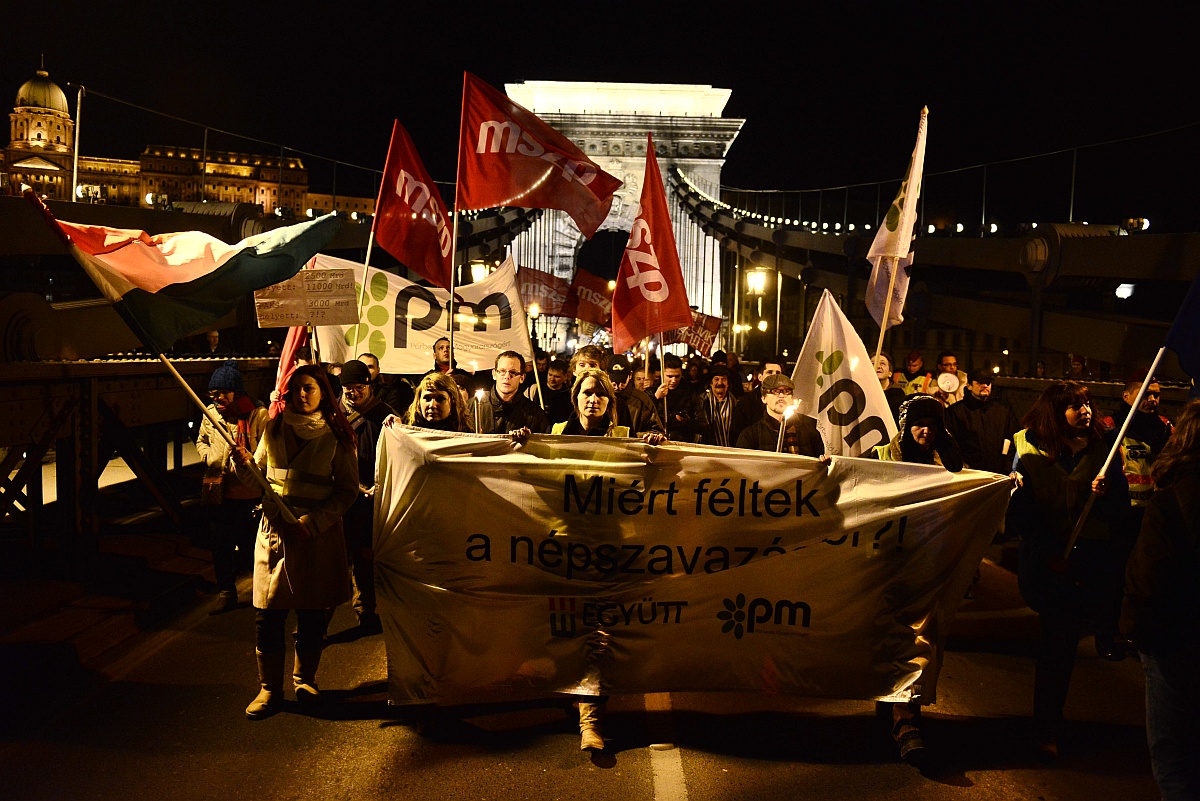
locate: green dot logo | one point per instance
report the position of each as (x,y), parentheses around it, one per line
(734,615)
(372,332)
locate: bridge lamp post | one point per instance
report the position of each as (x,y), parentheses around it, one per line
(756,287)
(534,312)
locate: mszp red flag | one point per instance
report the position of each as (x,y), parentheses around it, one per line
(699,336)
(650,296)
(510,157)
(592,296)
(551,294)
(410,217)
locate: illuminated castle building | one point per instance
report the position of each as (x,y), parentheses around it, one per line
(41,154)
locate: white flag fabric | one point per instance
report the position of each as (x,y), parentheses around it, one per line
(400,321)
(877,289)
(894,237)
(836,384)
(593,565)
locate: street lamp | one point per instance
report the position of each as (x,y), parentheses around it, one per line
(534,312)
(756,282)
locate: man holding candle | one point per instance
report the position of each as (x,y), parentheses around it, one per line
(799,436)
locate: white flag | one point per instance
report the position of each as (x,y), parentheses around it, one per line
(836,384)
(895,234)
(400,321)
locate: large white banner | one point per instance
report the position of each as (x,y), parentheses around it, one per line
(587,565)
(400,321)
(836,384)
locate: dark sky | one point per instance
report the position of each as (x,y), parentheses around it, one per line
(829,96)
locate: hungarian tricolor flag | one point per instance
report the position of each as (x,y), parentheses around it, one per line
(169,285)
(411,221)
(650,296)
(510,157)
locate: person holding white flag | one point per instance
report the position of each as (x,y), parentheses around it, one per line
(836,383)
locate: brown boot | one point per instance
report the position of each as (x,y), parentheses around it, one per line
(304,676)
(270,676)
(590,717)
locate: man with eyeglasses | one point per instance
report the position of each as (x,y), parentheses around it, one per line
(750,409)
(801,436)
(504,408)
(947,364)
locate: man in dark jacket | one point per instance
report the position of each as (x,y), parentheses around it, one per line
(366,414)
(682,425)
(749,410)
(801,436)
(504,408)
(983,428)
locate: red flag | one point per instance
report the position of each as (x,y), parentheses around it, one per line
(552,295)
(699,336)
(593,296)
(650,295)
(411,221)
(297,338)
(510,157)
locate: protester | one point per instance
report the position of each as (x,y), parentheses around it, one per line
(922,439)
(366,415)
(635,408)
(947,365)
(229,506)
(983,428)
(1161,612)
(439,405)
(1144,440)
(557,393)
(307,454)
(1059,455)
(682,425)
(894,394)
(594,415)
(504,408)
(915,379)
(716,408)
(801,436)
(750,409)
(394,390)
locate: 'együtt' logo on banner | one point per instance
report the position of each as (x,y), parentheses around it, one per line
(602,614)
(741,617)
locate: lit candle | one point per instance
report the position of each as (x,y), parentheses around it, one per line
(783,424)
(478,398)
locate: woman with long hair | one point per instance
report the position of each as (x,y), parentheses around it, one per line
(1059,456)
(438,404)
(594,414)
(307,454)
(1161,612)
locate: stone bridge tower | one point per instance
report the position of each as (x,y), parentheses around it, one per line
(609,122)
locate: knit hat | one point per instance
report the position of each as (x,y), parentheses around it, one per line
(226,377)
(355,372)
(921,407)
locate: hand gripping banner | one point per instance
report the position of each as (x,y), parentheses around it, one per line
(590,566)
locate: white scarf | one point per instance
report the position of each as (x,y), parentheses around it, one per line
(306,426)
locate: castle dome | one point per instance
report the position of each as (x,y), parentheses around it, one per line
(41,92)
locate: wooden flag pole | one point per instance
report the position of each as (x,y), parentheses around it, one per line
(538,382)
(887,310)
(1112,454)
(362,293)
(284,509)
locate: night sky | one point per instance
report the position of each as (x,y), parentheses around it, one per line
(830,96)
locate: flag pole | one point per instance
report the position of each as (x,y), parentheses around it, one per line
(1112,454)
(362,293)
(887,310)
(538,383)
(288,515)
(462,116)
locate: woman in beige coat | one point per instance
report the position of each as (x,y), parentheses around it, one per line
(307,455)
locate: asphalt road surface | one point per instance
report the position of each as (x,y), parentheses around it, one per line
(167,722)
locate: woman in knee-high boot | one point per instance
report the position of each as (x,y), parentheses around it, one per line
(307,454)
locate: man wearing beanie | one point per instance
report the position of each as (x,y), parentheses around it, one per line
(366,414)
(228,504)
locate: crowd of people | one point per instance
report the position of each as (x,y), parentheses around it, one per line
(1106,550)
